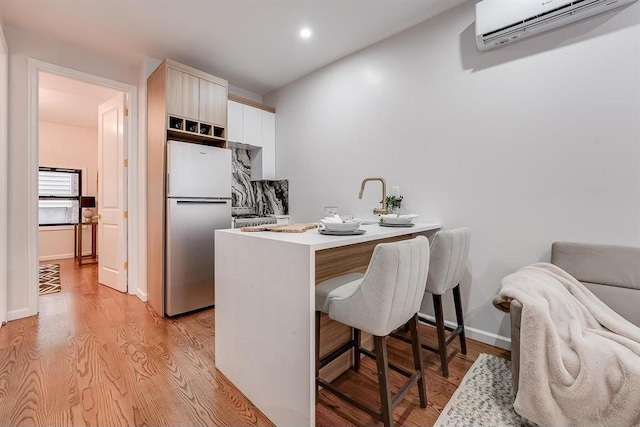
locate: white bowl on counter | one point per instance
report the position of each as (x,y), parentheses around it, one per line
(397,219)
(341,226)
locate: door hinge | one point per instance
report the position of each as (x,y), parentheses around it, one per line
(126,163)
(126,265)
(126,214)
(126,112)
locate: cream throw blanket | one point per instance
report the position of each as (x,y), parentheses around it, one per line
(579,360)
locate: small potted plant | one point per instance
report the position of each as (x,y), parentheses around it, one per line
(393,204)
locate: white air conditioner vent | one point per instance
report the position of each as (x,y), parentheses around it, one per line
(499,22)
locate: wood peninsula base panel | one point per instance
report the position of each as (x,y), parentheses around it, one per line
(332,263)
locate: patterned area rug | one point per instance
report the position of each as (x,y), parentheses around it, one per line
(49,279)
(484,398)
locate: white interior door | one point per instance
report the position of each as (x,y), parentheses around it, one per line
(112,197)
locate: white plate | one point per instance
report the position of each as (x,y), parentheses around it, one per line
(341,226)
(340,232)
(386,224)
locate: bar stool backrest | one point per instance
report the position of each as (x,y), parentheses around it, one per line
(449,252)
(391,290)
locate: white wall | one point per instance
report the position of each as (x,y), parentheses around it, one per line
(71,147)
(22,47)
(528,144)
(3,174)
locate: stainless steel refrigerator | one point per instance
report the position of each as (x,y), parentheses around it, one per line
(198,203)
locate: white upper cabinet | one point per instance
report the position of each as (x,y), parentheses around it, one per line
(252,125)
(244,124)
(263,160)
(268,145)
(255,128)
(234,121)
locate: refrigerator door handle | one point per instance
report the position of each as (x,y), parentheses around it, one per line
(203,202)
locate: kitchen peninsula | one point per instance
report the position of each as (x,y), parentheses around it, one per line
(265,305)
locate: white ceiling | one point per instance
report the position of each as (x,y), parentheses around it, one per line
(252,43)
(71,102)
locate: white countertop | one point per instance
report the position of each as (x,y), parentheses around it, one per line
(317,241)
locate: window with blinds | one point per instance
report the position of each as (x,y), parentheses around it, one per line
(59,192)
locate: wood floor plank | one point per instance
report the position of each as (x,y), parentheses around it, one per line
(94,356)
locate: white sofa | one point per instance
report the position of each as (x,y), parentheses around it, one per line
(612,273)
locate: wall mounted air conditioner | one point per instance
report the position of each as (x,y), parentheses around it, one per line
(499,22)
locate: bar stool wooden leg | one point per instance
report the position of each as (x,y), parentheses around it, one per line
(458,303)
(357,338)
(383,374)
(442,340)
(318,319)
(417,359)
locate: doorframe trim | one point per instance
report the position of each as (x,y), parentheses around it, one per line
(35,67)
(4,181)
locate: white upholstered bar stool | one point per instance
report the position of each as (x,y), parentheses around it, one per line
(449,252)
(385,298)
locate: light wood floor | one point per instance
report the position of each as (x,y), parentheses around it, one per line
(97,357)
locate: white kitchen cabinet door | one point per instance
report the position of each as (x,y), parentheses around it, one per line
(268,145)
(263,160)
(252,125)
(234,121)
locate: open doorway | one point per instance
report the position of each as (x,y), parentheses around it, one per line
(82,177)
(130,181)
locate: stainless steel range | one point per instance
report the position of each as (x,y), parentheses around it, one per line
(247,217)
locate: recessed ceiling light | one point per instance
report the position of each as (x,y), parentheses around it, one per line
(305,33)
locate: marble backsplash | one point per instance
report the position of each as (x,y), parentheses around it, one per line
(269,197)
(242,194)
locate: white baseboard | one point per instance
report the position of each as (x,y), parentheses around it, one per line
(141,295)
(18,314)
(59,256)
(478,334)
